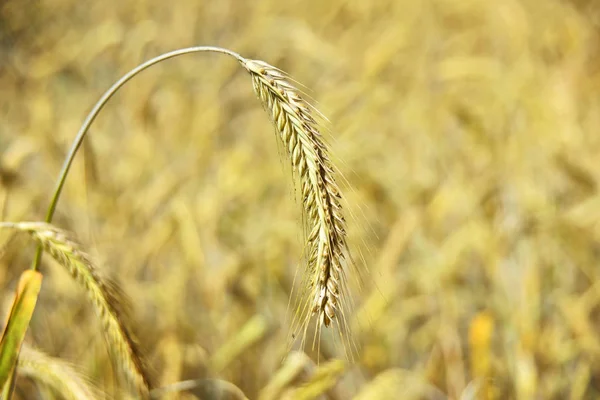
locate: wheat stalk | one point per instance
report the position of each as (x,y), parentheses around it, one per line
(108,299)
(326,245)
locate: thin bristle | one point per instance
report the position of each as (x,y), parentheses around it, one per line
(108,299)
(326,243)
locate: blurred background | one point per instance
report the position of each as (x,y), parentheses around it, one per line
(467,131)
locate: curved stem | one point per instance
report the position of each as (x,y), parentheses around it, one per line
(94,113)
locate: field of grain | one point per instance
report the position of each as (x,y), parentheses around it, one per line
(467,134)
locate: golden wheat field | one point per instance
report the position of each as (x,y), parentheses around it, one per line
(466,134)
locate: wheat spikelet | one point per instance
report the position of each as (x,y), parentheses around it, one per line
(55,373)
(107,297)
(326,245)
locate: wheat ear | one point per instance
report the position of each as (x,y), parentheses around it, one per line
(326,245)
(56,374)
(108,299)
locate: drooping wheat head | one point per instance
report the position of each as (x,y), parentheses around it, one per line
(326,248)
(56,374)
(108,299)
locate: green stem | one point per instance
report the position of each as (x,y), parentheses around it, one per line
(94,113)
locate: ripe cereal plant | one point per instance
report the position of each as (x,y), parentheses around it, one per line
(324,288)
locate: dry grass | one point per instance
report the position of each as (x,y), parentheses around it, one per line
(468,131)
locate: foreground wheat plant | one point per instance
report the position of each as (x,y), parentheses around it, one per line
(325,283)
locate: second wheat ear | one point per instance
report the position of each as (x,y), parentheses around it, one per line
(110,303)
(295,120)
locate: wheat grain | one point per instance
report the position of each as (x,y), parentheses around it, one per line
(326,245)
(105,294)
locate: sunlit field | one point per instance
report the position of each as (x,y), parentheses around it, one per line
(467,138)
